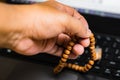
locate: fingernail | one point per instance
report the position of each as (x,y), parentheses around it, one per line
(87,26)
(89,32)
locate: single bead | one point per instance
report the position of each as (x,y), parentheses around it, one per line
(65,56)
(92,35)
(92,47)
(57,69)
(93,56)
(63,59)
(77,67)
(67,52)
(85,69)
(80,68)
(92,39)
(93,51)
(71,43)
(92,43)
(73,66)
(69,65)
(69,48)
(91,62)
(61,65)
(88,66)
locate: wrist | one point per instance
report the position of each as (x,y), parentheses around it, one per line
(13,23)
(8,30)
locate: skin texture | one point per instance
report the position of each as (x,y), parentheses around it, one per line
(42,27)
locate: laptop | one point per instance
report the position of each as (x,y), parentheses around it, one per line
(103,17)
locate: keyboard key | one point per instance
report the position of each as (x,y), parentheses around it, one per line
(96,69)
(117,59)
(117,74)
(108,72)
(114,45)
(117,40)
(113,64)
(108,38)
(117,51)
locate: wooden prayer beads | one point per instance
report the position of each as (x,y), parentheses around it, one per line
(63,62)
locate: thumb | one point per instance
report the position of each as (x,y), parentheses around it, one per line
(78,27)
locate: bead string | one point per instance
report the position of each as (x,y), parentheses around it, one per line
(63,61)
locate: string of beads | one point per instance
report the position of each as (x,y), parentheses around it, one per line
(63,61)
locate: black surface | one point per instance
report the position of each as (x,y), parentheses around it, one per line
(12,69)
(104,25)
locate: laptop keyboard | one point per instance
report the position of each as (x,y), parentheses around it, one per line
(108,67)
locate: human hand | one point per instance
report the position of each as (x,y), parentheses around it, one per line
(46,27)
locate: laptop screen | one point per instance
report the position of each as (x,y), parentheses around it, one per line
(109,8)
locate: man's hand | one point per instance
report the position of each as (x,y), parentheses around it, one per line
(45,27)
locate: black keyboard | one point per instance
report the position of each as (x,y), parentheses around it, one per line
(108,67)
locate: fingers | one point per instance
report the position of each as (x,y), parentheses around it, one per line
(56,51)
(76,22)
(76,27)
(72,12)
(77,50)
(85,42)
(71,20)
(63,40)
